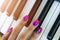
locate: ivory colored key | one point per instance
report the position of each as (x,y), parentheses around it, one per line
(7,12)
(15,18)
(25,11)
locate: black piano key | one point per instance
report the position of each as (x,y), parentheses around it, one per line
(54,28)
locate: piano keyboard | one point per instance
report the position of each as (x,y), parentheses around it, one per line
(57,35)
(47,11)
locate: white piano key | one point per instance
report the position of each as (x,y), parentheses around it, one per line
(6,24)
(57,35)
(0,13)
(51,22)
(23,30)
(48,17)
(3,18)
(25,11)
(43,38)
(14,24)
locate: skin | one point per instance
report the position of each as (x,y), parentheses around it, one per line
(24,35)
(11,35)
(6,36)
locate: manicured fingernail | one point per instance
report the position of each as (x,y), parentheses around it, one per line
(25,17)
(38,30)
(10,29)
(36,22)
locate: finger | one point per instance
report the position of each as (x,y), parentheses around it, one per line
(36,33)
(26,34)
(5,37)
(18,28)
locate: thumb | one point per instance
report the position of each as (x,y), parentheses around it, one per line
(6,36)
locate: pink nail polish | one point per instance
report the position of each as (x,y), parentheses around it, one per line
(9,29)
(26,18)
(38,30)
(36,22)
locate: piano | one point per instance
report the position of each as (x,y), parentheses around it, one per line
(47,11)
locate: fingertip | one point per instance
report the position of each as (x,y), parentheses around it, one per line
(38,30)
(26,18)
(36,22)
(10,29)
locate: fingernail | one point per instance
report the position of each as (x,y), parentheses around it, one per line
(36,22)
(39,30)
(10,29)
(25,17)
